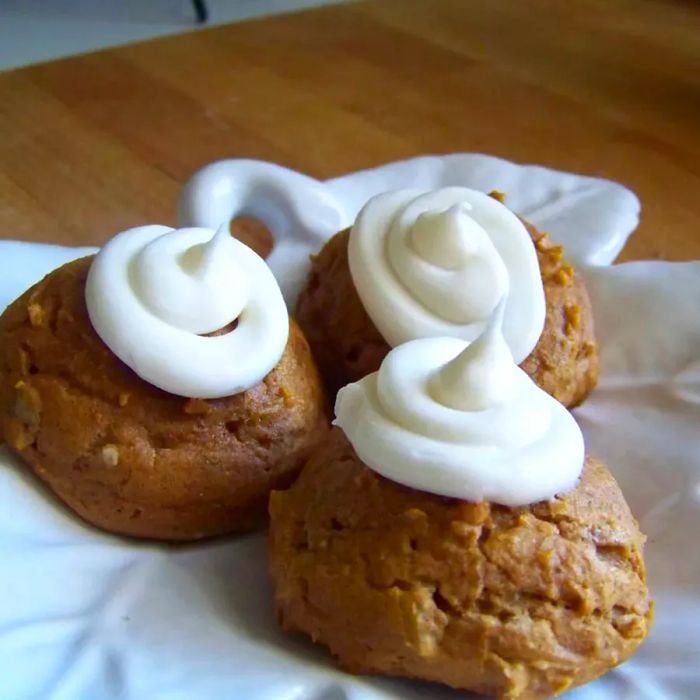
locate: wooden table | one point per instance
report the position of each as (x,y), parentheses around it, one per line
(94,144)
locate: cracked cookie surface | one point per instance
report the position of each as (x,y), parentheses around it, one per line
(129,457)
(511,602)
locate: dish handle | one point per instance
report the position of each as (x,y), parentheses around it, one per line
(298,211)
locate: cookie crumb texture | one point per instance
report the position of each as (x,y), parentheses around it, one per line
(510,602)
(129,457)
(348,346)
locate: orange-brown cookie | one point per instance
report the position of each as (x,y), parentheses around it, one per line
(511,602)
(129,457)
(348,346)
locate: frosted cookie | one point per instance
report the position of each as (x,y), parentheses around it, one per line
(159,388)
(451,529)
(420,264)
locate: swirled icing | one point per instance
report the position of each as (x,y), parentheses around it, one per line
(462,420)
(436,264)
(153,293)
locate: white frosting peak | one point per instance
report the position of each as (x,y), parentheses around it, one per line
(463,421)
(447,238)
(437,263)
(153,292)
(482,375)
(198,288)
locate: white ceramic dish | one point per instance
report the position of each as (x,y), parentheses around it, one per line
(86,616)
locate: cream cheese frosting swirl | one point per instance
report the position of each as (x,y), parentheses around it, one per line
(436,263)
(153,292)
(462,420)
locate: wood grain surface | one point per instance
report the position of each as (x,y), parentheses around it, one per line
(94,144)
